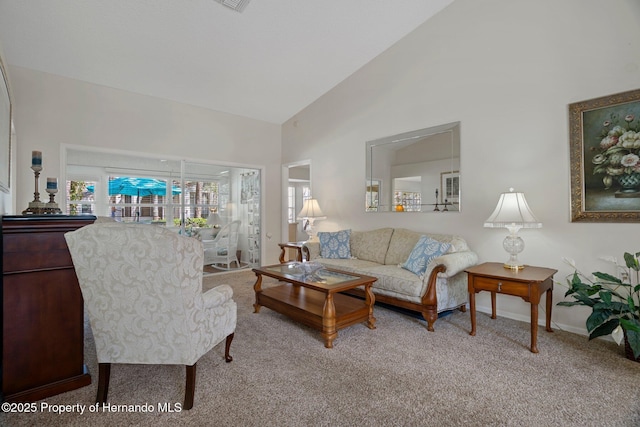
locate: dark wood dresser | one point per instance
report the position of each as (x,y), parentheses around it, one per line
(42,309)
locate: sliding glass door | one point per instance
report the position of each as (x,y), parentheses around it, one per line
(184,195)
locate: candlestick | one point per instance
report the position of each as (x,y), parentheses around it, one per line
(36,207)
(52,189)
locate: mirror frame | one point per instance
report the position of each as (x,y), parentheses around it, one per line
(445,199)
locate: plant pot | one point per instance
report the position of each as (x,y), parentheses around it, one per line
(628,351)
(629,182)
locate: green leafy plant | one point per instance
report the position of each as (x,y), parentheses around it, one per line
(192,222)
(614,302)
(75,193)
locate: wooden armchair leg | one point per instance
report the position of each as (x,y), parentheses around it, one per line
(227,346)
(104,371)
(190,387)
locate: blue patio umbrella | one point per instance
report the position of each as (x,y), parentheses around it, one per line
(131,186)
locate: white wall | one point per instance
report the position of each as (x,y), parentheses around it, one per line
(52,110)
(507,70)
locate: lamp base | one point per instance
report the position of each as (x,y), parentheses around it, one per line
(309,229)
(513,244)
(515,267)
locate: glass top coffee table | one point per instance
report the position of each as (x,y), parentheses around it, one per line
(315,300)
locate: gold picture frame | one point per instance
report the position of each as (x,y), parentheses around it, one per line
(605,158)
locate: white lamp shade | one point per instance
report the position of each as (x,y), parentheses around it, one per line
(311,209)
(512,211)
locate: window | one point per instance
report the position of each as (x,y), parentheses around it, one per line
(372,195)
(139,198)
(407,201)
(291,204)
(79,199)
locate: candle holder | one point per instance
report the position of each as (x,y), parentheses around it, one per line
(52,189)
(36,207)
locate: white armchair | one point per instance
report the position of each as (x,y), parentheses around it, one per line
(142,287)
(221,251)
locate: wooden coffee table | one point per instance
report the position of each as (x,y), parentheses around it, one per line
(317,304)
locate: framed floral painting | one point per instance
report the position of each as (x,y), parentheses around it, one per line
(604,139)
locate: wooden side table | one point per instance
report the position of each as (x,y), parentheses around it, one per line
(302,251)
(528,284)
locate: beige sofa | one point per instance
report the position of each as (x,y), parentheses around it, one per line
(380,253)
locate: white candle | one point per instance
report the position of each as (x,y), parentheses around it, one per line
(36,158)
(52,183)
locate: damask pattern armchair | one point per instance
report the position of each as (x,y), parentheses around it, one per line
(142,288)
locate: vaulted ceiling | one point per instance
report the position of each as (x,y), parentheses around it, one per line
(267,62)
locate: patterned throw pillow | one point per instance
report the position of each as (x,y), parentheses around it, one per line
(335,244)
(423,252)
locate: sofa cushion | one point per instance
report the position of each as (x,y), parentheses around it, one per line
(351,265)
(371,245)
(423,252)
(400,246)
(335,244)
(393,279)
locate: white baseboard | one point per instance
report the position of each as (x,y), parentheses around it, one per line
(541,322)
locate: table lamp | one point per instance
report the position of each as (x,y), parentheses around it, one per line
(310,212)
(512,213)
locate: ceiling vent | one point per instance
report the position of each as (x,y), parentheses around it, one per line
(237,5)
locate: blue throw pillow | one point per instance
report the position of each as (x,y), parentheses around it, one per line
(423,252)
(335,244)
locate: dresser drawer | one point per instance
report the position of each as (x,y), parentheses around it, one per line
(502,286)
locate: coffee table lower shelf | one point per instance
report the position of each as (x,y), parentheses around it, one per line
(327,313)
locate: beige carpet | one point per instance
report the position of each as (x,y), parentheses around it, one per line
(396,375)
(210,269)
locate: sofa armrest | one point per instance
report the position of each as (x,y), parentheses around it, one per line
(314,250)
(217,296)
(454,263)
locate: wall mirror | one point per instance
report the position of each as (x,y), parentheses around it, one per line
(416,171)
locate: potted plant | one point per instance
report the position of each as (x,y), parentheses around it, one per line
(614,302)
